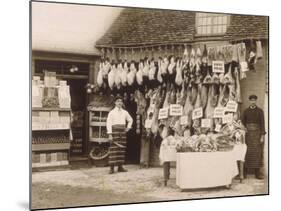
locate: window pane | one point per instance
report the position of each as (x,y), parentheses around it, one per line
(199,30)
(219,29)
(209,21)
(200,21)
(204,22)
(224,19)
(220,20)
(224,28)
(204,30)
(208,30)
(215,20)
(215,29)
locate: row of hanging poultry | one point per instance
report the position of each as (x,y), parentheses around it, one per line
(188,81)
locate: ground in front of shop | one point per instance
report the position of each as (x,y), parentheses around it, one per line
(94,186)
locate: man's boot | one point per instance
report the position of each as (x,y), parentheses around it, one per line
(121,169)
(258,174)
(111,171)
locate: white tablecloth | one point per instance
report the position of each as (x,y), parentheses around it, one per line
(167,153)
(205,169)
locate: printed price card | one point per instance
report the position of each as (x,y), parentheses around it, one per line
(218,128)
(184,120)
(218,66)
(197,113)
(148,123)
(163,113)
(231,106)
(175,110)
(219,112)
(228,118)
(206,123)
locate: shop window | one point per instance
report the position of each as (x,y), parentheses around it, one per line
(61,67)
(211,24)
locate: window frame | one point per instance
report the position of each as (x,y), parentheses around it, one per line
(211,24)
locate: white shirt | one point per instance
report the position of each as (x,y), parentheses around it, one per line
(118,117)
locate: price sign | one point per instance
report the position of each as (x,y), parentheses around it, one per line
(148,123)
(175,110)
(231,106)
(197,113)
(163,113)
(206,123)
(184,120)
(219,112)
(218,66)
(244,66)
(218,128)
(228,118)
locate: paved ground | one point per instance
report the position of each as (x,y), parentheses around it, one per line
(94,186)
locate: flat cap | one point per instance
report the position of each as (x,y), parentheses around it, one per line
(253,97)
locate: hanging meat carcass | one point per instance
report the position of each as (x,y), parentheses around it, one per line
(204,95)
(229,80)
(159,100)
(118,75)
(238,88)
(164,69)
(111,76)
(159,72)
(188,107)
(131,76)
(179,78)
(194,92)
(172,70)
(141,105)
(100,75)
(139,74)
(124,74)
(145,69)
(209,111)
(192,61)
(198,104)
(152,70)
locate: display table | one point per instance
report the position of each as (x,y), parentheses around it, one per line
(167,154)
(205,169)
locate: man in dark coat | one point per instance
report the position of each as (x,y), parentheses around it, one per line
(253,119)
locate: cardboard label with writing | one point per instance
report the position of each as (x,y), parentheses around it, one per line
(175,110)
(218,128)
(163,113)
(228,118)
(219,112)
(197,113)
(218,66)
(231,106)
(244,66)
(184,120)
(206,123)
(148,123)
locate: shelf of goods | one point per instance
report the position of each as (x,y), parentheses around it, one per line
(99,145)
(51,116)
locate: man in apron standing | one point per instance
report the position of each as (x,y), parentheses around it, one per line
(253,119)
(117,129)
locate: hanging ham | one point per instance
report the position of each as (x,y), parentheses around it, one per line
(118,75)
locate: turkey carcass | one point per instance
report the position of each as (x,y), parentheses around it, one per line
(111,76)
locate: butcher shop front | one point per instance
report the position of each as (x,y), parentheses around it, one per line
(186,84)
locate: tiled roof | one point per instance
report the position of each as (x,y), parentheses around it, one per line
(146,26)
(136,27)
(247,26)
